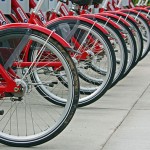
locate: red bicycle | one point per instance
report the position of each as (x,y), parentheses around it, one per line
(121,51)
(31,58)
(141,15)
(93,50)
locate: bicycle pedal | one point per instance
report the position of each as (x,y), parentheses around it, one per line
(1,112)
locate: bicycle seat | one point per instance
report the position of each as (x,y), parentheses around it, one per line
(96,2)
(82,2)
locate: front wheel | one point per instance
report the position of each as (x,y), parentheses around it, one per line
(29,118)
(86,38)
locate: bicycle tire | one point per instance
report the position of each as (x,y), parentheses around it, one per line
(91,96)
(121,47)
(138,37)
(34,120)
(133,48)
(145,33)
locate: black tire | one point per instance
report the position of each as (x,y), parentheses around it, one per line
(145,26)
(35,113)
(123,49)
(90,96)
(139,36)
(133,51)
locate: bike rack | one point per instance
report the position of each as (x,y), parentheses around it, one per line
(146,2)
(45,5)
(24,4)
(5,6)
(52,4)
(123,3)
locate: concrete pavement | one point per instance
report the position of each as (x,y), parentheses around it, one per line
(118,121)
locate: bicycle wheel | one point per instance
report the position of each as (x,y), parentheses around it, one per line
(145,30)
(130,44)
(88,39)
(29,119)
(120,50)
(137,35)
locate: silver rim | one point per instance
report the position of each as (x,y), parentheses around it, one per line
(35,118)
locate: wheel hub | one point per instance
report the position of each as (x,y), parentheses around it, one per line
(22,90)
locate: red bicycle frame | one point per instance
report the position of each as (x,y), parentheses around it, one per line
(3,19)
(35,19)
(136,10)
(8,84)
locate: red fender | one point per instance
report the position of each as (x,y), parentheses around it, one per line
(148,7)
(38,28)
(105,14)
(102,18)
(142,9)
(123,14)
(80,19)
(135,12)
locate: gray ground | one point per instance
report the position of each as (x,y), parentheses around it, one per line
(118,121)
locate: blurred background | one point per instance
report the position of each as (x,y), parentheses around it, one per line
(135,1)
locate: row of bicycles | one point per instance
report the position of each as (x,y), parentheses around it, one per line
(53,62)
